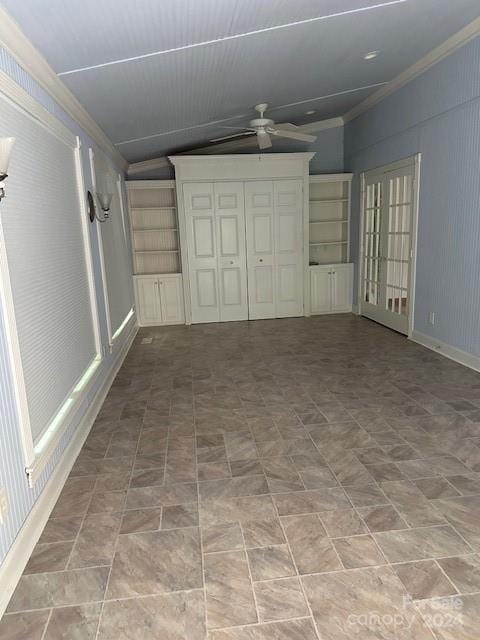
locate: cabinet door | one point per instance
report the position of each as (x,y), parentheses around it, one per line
(342,288)
(259,211)
(320,290)
(288,230)
(171,297)
(148,300)
(202,252)
(232,269)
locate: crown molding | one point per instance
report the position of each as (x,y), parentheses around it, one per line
(458,40)
(14,92)
(147,165)
(19,46)
(228,146)
(241,158)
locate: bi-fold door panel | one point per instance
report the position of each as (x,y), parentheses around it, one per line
(288,207)
(231,260)
(199,201)
(259,211)
(215,222)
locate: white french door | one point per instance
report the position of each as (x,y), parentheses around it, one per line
(388,245)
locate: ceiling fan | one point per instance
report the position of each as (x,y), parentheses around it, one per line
(264,128)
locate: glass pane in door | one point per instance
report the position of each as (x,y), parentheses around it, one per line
(372,243)
(397,246)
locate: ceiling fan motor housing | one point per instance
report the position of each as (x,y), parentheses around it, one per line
(261,123)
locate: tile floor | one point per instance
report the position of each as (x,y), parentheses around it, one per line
(275,480)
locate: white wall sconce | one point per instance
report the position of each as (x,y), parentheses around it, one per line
(6,145)
(104,200)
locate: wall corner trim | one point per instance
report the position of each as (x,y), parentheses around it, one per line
(19,46)
(453,353)
(17,557)
(449,46)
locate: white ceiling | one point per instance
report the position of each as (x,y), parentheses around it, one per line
(168,101)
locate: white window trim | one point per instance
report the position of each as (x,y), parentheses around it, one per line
(112,336)
(37,455)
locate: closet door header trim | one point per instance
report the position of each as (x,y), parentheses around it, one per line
(241,167)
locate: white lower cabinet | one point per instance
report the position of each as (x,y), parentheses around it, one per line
(159,299)
(331,288)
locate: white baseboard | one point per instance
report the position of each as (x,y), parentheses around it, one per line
(462,357)
(20,551)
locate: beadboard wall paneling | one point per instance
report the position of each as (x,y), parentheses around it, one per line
(437,114)
(13,478)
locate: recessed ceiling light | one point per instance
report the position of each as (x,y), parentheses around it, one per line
(371,55)
(310,113)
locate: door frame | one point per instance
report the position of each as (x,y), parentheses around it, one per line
(380,171)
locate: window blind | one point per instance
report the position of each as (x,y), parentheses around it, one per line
(44,246)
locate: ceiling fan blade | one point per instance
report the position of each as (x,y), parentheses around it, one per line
(264,140)
(286,126)
(294,135)
(233,135)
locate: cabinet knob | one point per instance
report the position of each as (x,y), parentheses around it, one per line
(261,260)
(231,261)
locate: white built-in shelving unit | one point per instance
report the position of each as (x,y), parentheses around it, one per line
(331,274)
(329,219)
(156,252)
(153,219)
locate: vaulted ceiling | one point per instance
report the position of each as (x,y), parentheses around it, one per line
(161,76)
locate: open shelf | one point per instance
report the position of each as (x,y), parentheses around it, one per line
(153,219)
(329,223)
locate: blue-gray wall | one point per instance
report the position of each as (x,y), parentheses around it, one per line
(437,114)
(328,158)
(12,465)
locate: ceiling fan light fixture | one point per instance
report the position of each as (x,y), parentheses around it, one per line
(371,55)
(265,127)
